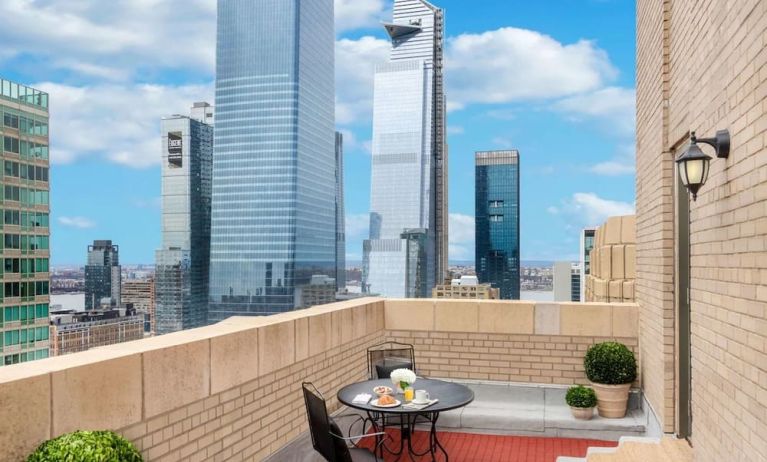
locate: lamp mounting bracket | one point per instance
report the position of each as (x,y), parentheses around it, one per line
(720,142)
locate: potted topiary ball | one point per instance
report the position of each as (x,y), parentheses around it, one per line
(581,401)
(611,368)
(87,446)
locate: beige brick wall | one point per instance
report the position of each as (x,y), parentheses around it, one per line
(507,341)
(714,76)
(654,290)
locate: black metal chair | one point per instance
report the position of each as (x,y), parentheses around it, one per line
(388,356)
(327,438)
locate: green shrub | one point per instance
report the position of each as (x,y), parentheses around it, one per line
(87,446)
(610,363)
(580,396)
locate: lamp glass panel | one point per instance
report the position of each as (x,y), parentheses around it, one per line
(696,169)
(683,173)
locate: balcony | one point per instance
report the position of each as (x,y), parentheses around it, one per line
(232,391)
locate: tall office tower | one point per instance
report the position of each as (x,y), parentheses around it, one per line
(25,227)
(181,265)
(587,244)
(497,221)
(273,221)
(340,218)
(406,255)
(102,275)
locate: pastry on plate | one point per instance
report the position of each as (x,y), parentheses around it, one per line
(386,400)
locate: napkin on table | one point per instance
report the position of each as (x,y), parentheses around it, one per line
(362,398)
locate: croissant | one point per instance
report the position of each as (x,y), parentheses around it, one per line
(386,400)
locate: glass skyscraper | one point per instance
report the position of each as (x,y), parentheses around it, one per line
(25,275)
(406,254)
(497,221)
(273,222)
(103,275)
(181,271)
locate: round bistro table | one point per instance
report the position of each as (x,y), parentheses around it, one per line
(450,396)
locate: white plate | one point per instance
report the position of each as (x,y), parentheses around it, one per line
(418,403)
(375,403)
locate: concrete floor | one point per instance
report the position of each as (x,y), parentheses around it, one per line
(509,409)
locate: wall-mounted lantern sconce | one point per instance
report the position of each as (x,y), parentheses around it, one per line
(694,163)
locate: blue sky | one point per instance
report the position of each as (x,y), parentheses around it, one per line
(554,79)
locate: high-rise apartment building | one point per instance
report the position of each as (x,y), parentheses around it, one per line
(497,221)
(103,275)
(567,282)
(274,199)
(140,295)
(181,265)
(406,254)
(24,333)
(587,244)
(340,217)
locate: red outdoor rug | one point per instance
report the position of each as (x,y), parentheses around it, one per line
(470,447)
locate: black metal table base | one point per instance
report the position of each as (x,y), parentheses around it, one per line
(407,423)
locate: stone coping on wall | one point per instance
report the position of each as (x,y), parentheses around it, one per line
(606,320)
(125,384)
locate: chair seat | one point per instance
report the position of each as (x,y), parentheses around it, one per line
(362,455)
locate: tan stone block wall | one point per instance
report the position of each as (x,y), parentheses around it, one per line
(701,66)
(231,391)
(613,261)
(547,345)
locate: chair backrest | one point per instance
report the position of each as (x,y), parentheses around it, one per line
(388,356)
(319,422)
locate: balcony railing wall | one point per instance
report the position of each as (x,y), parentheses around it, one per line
(231,391)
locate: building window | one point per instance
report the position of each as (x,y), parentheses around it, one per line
(496,204)
(496,218)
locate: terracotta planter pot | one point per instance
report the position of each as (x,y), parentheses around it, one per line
(582,413)
(612,400)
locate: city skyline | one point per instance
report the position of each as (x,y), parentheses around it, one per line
(577,120)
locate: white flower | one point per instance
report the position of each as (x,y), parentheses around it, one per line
(399,376)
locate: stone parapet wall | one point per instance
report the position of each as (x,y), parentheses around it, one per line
(507,341)
(232,391)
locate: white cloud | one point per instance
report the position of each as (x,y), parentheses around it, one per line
(123,39)
(77,222)
(118,122)
(461,237)
(623,164)
(590,209)
(613,108)
(511,65)
(357,226)
(355,70)
(355,14)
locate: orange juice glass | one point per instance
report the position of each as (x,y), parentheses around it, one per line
(409,394)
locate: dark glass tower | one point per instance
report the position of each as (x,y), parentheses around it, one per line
(273,223)
(102,275)
(497,221)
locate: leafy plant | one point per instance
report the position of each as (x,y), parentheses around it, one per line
(580,396)
(87,446)
(610,363)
